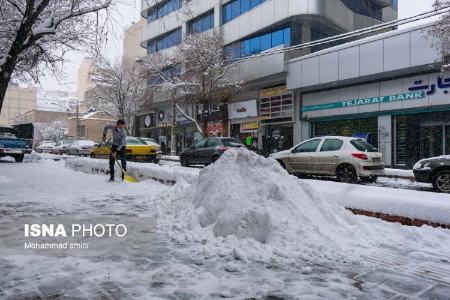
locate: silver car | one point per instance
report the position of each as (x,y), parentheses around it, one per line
(45,147)
(62,147)
(346,158)
(81,147)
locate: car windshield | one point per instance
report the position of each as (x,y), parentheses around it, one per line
(135,141)
(363,145)
(232,143)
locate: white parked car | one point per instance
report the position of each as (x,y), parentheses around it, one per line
(62,147)
(81,147)
(45,147)
(347,158)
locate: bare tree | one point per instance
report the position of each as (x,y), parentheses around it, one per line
(49,131)
(120,88)
(35,34)
(197,72)
(440,33)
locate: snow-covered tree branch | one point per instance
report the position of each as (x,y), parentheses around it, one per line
(120,89)
(35,34)
(440,33)
(197,72)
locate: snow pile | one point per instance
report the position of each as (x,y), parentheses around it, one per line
(246,196)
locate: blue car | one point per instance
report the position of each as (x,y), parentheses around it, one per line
(10,145)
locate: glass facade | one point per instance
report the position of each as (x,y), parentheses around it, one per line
(168,40)
(366,8)
(236,8)
(202,23)
(420,136)
(163,10)
(348,128)
(259,43)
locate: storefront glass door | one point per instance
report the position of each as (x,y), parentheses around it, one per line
(447,139)
(431,141)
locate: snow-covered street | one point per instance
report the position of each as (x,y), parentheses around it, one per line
(248,231)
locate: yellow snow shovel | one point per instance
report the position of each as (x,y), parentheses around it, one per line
(127,177)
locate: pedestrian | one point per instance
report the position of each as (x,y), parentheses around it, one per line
(163,148)
(249,142)
(118,148)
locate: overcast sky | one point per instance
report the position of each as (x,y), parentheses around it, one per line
(128,12)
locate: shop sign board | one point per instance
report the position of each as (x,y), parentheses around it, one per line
(366,101)
(250,126)
(214,128)
(242,110)
(275,91)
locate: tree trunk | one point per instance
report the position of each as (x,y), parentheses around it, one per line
(173,140)
(5,78)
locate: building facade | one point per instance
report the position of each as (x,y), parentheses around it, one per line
(388,88)
(17,101)
(90,125)
(267,108)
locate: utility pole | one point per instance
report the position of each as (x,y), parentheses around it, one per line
(77,111)
(173,140)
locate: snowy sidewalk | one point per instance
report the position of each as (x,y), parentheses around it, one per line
(189,262)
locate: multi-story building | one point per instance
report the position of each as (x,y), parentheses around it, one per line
(265,108)
(17,101)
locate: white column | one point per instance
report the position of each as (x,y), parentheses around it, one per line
(385,138)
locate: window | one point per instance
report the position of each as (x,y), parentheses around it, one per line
(365,7)
(200,144)
(236,8)
(163,10)
(259,43)
(309,146)
(168,40)
(202,23)
(331,145)
(362,145)
(212,143)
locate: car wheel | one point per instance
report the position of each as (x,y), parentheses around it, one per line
(370,179)
(282,164)
(214,158)
(184,161)
(441,181)
(19,158)
(346,173)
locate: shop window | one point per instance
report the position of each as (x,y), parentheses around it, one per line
(331,145)
(348,128)
(309,146)
(421,136)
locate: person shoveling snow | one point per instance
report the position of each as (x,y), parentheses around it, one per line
(118,148)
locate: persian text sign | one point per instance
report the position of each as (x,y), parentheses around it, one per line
(366,101)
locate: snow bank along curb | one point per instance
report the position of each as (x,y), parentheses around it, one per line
(142,171)
(416,207)
(394,205)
